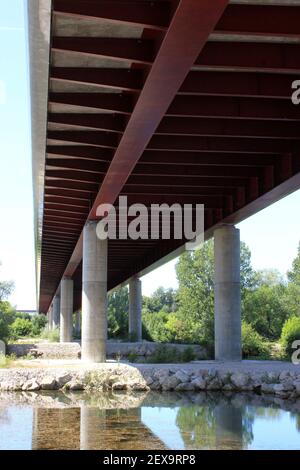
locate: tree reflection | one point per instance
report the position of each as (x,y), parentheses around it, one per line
(221,426)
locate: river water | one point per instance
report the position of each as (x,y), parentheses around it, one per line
(147,421)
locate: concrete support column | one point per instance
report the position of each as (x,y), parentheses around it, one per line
(227,294)
(229,427)
(78,323)
(66,310)
(94,296)
(50,318)
(56,312)
(135,309)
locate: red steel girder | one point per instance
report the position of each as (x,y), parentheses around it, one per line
(194,22)
(131,50)
(198,82)
(216,54)
(84,151)
(229,128)
(105,122)
(260,19)
(151,14)
(229,107)
(114,102)
(251,55)
(99,138)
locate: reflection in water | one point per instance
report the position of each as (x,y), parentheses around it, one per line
(152,422)
(56,429)
(115,429)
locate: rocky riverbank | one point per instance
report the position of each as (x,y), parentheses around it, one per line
(190,378)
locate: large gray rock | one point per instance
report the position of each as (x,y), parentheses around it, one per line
(199,383)
(182,376)
(170,383)
(296,384)
(185,387)
(75,385)
(2,348)
(48,383)
(284,375)
(281,391)
(62,379)
(267,388)
(31,385)
(240,380)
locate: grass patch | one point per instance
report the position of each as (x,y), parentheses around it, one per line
(50,335)
(7,361)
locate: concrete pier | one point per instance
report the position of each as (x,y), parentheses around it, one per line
(78,323)
(50,318)
(56,312)
(135,309)
(94,296)
(66,310)
(227,294)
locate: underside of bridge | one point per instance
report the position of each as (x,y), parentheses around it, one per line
(164,101)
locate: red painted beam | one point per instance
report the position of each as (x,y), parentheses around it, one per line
(251,55)
(260,19)
(222,144)
(217,54)
(198,82)
(119,79)
(113,102)
(84,151)
(158,169)
(130,50)
(228,107)
(229,128)
(101,139)
(263,85)
(154,15)
(194,22)
(105,122)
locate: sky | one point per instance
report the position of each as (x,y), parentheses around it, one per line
(272,235)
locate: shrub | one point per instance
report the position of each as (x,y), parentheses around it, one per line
(38,324)
(7,316)
(290,333)
(253,344)
(155,324)
(164,354)
(132,356)
(168,355)
(188,354)
(51,335)
(20,327)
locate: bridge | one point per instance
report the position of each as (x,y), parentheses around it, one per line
(162,101)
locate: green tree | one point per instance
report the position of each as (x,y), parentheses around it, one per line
(38,324)
(265,309)
(21,327)
(161,299)
(117,312)
(6,288)
(7,316)
(195,273)
(294,273)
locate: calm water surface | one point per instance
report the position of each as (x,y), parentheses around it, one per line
(153,421)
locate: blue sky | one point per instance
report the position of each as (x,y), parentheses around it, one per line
(272,235)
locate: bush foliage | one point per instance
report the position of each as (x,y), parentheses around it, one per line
(253,344)
(290,333)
